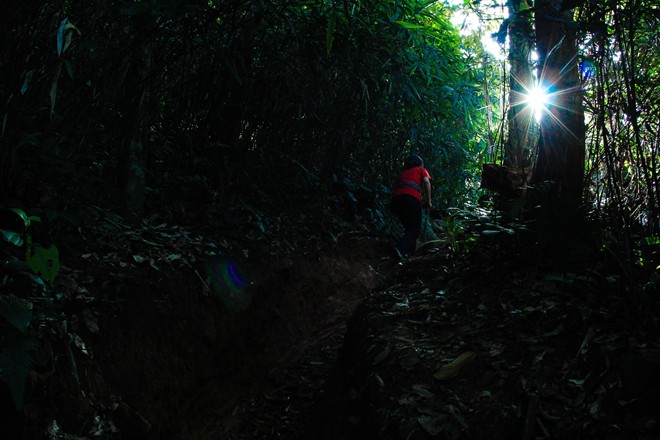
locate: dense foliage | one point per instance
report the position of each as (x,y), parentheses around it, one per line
(158,102)
(620,74)
(199,112)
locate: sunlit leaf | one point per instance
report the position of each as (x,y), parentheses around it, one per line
(22,215)
(652,241)
(12,237)
(408,25)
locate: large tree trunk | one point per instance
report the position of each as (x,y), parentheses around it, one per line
(521,120)
(561,149)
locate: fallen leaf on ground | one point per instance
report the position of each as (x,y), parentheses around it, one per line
(451,369)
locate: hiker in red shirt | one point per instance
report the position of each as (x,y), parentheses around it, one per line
(406,202)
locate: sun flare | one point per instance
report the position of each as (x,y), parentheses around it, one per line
(537,100)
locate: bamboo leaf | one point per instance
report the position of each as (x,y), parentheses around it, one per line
(330,32)
(60,36)
(408,25)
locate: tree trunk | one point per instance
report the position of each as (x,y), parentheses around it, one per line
(561,149)
(521,120)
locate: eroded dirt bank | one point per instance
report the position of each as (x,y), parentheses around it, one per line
(160,346)
(296,331)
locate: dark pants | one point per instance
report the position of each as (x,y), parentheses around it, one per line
(409,212)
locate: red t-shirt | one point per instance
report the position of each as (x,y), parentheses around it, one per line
(412,175)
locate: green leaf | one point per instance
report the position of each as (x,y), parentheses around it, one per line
(16,312)
(408,25)
(22,215)
(12,237)
(45,262)
(15,362)
(27,221)
(652,241)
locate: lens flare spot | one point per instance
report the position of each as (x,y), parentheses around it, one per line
(227,280)
(237,279)
(588,69)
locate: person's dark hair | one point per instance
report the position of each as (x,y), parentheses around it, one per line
(413,161)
